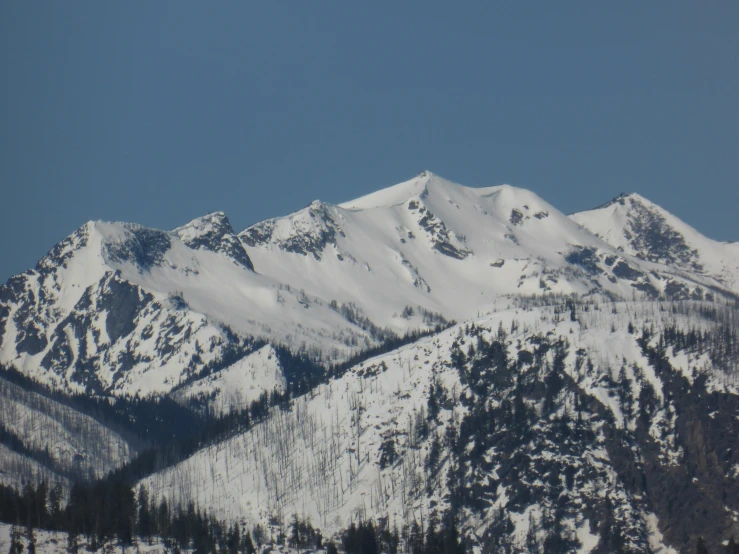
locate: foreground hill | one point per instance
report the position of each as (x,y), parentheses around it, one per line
(561,424)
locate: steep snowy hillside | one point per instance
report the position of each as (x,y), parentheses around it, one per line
(16,469)
(236,386)
(638,227)
(42,439)
(599,426)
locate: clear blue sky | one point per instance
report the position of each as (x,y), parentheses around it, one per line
(158,112)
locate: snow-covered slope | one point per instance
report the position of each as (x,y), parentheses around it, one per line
(16,469)
(449,248)
(517,418)
(236,386)
(42,438)
(123,308)
(638,227)
(118,307)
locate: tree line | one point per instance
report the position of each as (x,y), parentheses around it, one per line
(111,511)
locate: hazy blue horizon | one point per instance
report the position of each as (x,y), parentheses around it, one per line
(159,113)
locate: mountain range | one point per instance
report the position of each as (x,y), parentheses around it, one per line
(425,348)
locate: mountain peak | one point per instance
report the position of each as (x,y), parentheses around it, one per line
(214,232)
(641,228)
(212,218)
(418,186)
(625,198)
(60,254)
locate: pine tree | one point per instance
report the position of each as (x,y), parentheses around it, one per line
(388,455)
(233,540)
(388,540)
(144,517)
(532,541)
(294,539)
(432,460)
(434,540)
(258,535)
(16,547)
(72,542)
(247,545)
(125,512)
(40,500)
(55,499)
(163,519)
(30,540)
(415,539)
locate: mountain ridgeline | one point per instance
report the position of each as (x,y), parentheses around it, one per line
(429,368)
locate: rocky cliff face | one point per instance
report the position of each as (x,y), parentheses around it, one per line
(638,227)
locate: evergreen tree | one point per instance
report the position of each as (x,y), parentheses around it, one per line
(452,541)
(432,460)
(294,539)
(30,540)
(532,541)
(163,519)
(247,545)
(415,539)
(144,517)
(388,540)
(72,542)
(258,534)
(55,500)
(16,547)
(434,540)
(40,500)
(436,393)
(349,539)
(124,507)
(388,454)
(233,540)
(367,539)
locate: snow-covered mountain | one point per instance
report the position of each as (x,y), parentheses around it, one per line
(449,248)
(123,308)
(638,227)
(545,376)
